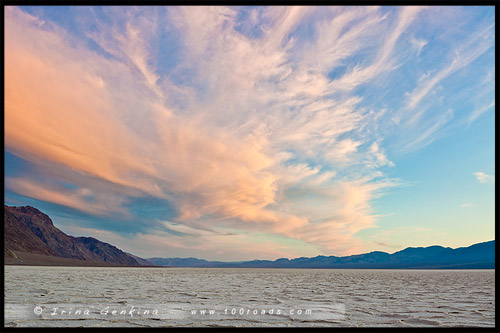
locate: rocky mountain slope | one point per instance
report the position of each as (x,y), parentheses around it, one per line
(26,229)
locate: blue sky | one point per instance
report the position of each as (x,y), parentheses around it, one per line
(235,133)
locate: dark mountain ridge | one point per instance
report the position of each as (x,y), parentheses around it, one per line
(477,256)
(28,230)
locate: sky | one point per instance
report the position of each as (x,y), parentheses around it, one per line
(241,133)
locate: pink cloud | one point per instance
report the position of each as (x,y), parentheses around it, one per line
(221,159)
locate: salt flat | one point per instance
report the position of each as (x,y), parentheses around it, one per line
(114,296)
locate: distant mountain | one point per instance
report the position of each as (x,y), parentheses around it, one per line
(188,262)
(480,256)
(141,261)
(30,236)
(28,230)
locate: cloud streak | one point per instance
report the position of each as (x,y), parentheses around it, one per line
(464,55)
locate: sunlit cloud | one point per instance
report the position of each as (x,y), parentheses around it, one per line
(241,127)
(484,178)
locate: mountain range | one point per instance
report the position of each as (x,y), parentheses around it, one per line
(477,256)
(30,238)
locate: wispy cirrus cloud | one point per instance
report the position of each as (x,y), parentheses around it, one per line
(418,44)
(477,45)
(382,63)
(479,111)
(246,127)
